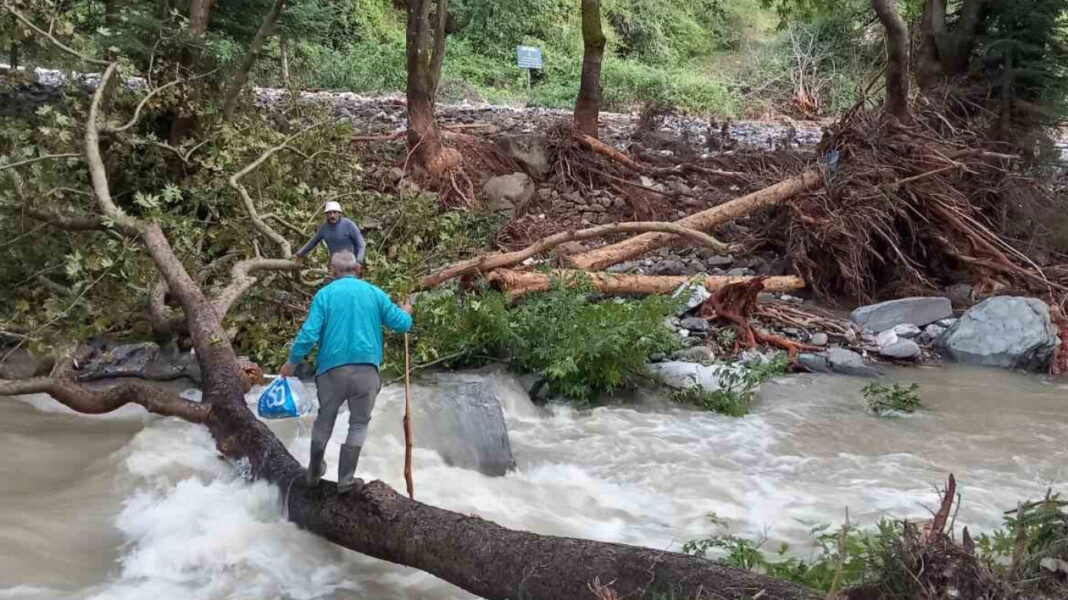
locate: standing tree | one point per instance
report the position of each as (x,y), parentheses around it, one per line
(241,76)
(588,105)
(946,53)
(425,47)
(897,58)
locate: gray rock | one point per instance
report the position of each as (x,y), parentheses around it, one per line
(792,299)
(931,333)
(902,348)
(395,174)
(669,267)
(886,338)
(947,323)
(847,362)
(918,311)
(685,375)
(739,272)
(698,354)
(530,150)
(468,429)
(815,363)
(509,193)
(719,261)
(695,324)
(906,330)
(694,294)
(1005,331)
(818,339)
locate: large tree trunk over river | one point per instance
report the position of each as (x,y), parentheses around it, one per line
(467,551)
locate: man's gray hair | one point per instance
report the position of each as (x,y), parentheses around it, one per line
(343,263)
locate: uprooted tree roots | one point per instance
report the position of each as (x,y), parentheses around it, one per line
(912,208)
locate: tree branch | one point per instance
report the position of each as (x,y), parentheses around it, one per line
(242,280)
(51,38)
(490,262)
(140,105)
(39,158)
(97,173)
(85,401)
(241,77)
(250,206)
(67,222)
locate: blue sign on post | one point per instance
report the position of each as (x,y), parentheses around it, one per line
(528,57)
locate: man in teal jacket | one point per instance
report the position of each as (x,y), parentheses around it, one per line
(345,321)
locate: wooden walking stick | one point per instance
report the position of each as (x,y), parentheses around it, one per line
(407,424)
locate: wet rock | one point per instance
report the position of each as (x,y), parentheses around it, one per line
(815,363)
(818,339)
(509,193)
(685,375)
(1005,331)
(847,362)
(917,311)
(469,428)
(529,150)
(695,324)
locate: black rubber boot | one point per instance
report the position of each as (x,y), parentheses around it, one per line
(346,468)
(317,465)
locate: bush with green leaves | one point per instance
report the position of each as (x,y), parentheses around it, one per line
(885,399)
(738,384)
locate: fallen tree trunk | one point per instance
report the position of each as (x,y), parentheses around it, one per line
(518,283)
(705,220)
(489,262)
(467,551)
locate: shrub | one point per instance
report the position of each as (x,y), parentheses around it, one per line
(883,399)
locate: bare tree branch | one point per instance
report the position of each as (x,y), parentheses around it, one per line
(97,173)
(490,262)
(250,206)
(140,105)
(242,280)
(39,158)
(85,401)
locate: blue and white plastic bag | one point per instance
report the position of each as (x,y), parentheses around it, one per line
(284,397)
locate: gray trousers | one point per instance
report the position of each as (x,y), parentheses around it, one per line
(356,384)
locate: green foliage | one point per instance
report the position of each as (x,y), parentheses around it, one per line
(883,399)
(584,348)
(1024,555)
(738,386)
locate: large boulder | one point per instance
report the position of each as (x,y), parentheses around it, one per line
(464,421)
(1005,331)
(509,193)
(684,375)
(529,150)
(918,311)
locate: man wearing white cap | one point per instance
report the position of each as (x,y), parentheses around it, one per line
(339,233)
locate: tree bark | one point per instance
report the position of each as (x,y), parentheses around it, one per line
(467,551)
(425,48)
(489,262)
(897,58)
(588,105)
(233,92)
(518,283)
(706,221)
(929,69)
(199,16)
(284,49)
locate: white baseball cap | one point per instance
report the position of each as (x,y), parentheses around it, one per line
(332,207)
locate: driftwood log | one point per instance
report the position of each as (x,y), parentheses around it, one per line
(518,283)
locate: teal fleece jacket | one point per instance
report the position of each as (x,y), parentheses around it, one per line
(345,321)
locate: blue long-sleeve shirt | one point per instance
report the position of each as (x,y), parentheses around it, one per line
(345,321)
(343,235)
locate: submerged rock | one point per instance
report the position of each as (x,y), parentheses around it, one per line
(917,311)
(1005,331)
(469,429)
